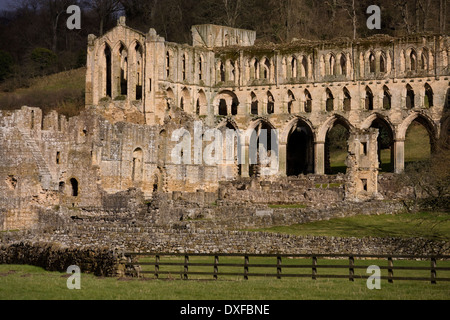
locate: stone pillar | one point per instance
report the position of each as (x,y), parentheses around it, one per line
(319,157)
(399,156)
(244,161)
(362,165)
(282,160)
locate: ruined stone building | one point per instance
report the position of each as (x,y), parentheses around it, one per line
(141,90)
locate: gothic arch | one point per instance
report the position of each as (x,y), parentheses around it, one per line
(226,103)
(424,120)
(330,122)
(290,125)
(299,137)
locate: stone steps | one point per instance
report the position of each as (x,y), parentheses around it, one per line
(46,178)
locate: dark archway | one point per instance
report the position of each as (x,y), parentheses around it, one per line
(300,150)
(419,142)
(108,79)
(336,147)
(223,107)
(385,146)
(261,137)
(74,185)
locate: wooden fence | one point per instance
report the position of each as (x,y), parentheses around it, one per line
(138,262)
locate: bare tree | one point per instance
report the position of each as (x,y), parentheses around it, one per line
(103,10)
(442,15)
(403,6)
(232,10)
(54,9)
(350,9)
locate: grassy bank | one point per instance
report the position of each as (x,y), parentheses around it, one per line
(63,92)
(26,282)
(430,225)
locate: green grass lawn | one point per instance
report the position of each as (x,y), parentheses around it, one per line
(30,283)
(431,225)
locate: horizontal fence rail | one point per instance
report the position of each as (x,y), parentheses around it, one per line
(139,264)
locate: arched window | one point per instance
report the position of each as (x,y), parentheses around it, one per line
(108,78)
(424,62)
(223,107)
(413,61)
(304,67)
(200,68)
(347,100)
(123,70)
(369,99)
(266,69)
(291,99)
(332,63)
(137,166)
(329,100)
(197,107)
(343,65)
(221,71)
(182,103)
(183,67)
(256,69)
(167,64)
(138,71)
(74,185)
(308,102)
(294,67)
(428,96)
(386,98)
(382,63)
(270,103)
(254,104)
(372,66)
(409,97)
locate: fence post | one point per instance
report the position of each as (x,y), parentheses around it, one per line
(314,268)
(186,267)
(216,267)
(246,268)
(433,270)
(157,266)
(390,271)
(278,267)
(351,270)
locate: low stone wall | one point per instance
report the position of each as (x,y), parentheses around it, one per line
(98,245)
(52,256)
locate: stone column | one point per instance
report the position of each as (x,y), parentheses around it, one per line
(282,160)
(244,161)
(319,157)
(399,156)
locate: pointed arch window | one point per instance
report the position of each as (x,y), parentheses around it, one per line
(386,98)
(347,100)
(329,100)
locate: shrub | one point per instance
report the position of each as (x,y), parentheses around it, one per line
(44,60)
(6,63)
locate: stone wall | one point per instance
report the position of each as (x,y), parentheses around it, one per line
(97,245)
(53,257)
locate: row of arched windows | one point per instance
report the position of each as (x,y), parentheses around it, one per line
(306,101)
(301,66)
(122,71)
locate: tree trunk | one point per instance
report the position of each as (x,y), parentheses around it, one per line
(442,15)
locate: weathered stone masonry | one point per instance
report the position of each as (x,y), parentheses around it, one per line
(141,88)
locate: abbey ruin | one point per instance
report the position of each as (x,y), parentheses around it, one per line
(141,90)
